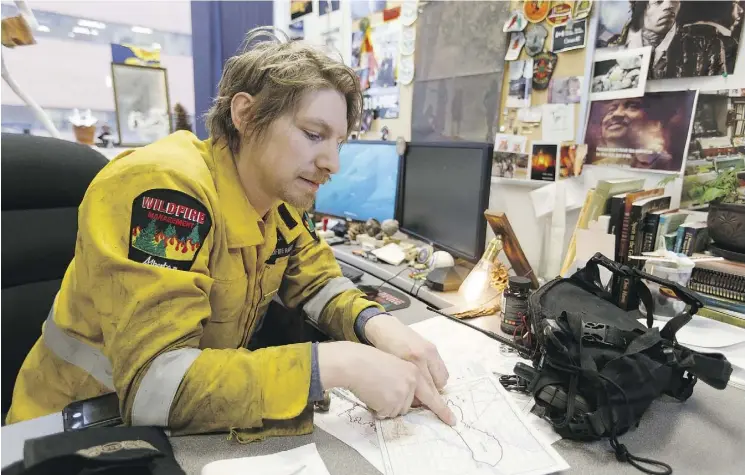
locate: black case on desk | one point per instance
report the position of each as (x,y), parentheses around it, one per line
(111,450)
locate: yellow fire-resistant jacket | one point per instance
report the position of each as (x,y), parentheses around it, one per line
(173,270)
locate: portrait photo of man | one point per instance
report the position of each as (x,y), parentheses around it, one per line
(688,38)
(640,132)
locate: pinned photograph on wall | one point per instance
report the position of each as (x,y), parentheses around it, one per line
(560,13)
(366,8)
(521,83)
(535,39)
(357,38)
(572,160)
(366,120)
(296,30)
(325,6)
(688,39)
(543,68)
(536,11)
(516,22)
(511,143)
(565,90)
(300,8)
(517,41)
(582,9)
(558,122)
(649,132)
(543,161)
(383,94)
(572,35)
(510,165)
(619,73)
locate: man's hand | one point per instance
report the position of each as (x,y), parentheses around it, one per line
(388,334)
(386,384)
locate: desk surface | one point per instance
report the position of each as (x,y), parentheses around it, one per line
(702,435)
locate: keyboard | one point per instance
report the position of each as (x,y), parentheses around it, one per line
(350,272)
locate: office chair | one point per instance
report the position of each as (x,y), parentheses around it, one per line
(43,183)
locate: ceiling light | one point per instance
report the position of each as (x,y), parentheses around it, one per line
(156,46)
(71,34)
(81,30)
(43,28)
(92,24)
(143,30)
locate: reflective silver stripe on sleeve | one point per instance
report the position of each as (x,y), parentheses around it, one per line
(158,387)
(333,287)
(77,353)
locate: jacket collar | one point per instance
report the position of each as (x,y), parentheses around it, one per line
(242,221)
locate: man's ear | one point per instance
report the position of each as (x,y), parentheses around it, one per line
(239,109)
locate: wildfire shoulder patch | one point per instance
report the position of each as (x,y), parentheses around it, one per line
(167,229)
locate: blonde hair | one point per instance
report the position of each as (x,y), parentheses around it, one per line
(277,73)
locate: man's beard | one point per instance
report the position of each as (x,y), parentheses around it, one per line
(298,199)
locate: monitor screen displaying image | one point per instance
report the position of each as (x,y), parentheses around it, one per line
(366,184)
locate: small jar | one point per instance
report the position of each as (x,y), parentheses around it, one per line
(515,304)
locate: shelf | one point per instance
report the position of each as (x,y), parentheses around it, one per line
(518,182)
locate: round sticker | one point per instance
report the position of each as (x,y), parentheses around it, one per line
(559,14)
(408,40)
(406,70)
(536,11)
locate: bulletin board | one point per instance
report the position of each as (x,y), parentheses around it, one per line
(514,118)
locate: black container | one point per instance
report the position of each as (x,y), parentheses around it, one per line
(515,304)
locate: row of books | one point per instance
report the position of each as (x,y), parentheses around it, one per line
(642,221)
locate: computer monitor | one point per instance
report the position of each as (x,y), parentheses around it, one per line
(444,193)
(366,185)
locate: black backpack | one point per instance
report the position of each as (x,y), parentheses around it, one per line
(596,369)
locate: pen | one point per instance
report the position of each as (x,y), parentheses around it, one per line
(348,399)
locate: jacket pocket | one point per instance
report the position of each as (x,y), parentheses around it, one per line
(229,313)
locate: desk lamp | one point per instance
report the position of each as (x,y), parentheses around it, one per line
(478,281)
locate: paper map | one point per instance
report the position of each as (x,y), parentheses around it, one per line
(492,436)
(350,421)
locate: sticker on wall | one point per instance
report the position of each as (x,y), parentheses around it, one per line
(408,40)
(517,41)
(535,38)
(409,13)
(559,14)
(543,68)
(406,70)
(516,22)
(582,9)
(536,11)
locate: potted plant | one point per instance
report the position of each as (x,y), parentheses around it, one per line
(726,218)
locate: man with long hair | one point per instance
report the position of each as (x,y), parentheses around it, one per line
(183,244)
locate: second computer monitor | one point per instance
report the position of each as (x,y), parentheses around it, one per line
(444,194)
(366,185)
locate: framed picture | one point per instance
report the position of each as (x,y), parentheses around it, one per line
(618,74)
(142,105)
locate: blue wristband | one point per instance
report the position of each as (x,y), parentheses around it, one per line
(361,321)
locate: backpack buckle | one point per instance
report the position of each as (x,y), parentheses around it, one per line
(601,334)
